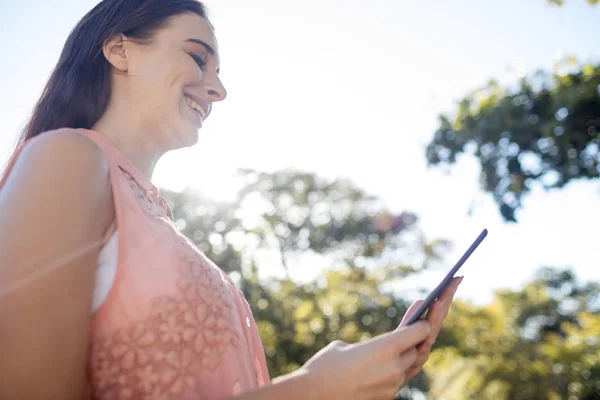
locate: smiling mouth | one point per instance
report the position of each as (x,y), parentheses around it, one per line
(196,107)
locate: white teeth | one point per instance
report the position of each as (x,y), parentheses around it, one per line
(195,106)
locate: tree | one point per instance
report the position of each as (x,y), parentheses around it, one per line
(294,214)
(561,2)
(545,131)
(539,342)
(293,217)
(542,342)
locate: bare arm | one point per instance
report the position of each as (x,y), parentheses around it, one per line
(54,208)
(294,386)
(373,369)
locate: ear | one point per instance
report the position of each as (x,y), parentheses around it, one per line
(116,52)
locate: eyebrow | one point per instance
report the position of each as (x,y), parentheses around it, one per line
(202,43)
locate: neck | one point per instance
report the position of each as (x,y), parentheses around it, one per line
(138,142)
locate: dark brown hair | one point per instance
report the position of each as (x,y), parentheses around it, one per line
(78,91)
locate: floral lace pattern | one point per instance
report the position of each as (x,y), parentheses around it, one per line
(161,357)
(164,355)
(149,200)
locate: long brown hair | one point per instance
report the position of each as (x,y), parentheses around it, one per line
(79,88)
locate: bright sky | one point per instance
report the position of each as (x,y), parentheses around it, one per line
(353,88)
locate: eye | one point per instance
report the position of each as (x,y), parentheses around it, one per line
(201,63)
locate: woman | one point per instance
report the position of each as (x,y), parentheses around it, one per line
(101,296)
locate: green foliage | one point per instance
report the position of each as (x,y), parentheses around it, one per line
(561,2)
(298,320)
(296,218)
(212,225)
(538,343)
(545,131)
(293,215)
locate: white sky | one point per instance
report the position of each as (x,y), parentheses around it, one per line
(353,88)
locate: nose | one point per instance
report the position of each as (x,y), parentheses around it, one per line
(215,89)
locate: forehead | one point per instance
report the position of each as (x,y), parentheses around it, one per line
(190,26)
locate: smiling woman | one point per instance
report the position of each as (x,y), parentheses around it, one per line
(100,293)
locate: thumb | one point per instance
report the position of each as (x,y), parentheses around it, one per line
(411,310)
(406,337)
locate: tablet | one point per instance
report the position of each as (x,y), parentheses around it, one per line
(424,306)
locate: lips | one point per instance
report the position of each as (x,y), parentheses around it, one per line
(199,111)
(197,104)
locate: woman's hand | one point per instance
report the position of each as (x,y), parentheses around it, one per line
(372,369)
(435,317)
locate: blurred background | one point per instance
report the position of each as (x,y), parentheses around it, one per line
(362,148)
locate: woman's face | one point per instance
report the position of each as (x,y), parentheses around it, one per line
(172,82)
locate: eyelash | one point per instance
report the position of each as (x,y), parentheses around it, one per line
(201,63)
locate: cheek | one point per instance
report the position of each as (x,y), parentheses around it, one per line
(191,74)
(183,76)
(165,77)
(164,73)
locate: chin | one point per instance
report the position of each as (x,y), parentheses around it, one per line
(189,136)
(181,137)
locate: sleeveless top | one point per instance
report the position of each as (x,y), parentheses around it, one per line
(173,326)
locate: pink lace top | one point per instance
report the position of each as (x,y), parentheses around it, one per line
(174,325)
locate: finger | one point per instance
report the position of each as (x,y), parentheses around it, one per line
(440,308)
(404,364)
(416,366)
(402,381)
(435,317)
(448,296)
(412,372)
(426,346)
(423,352)
(411,310)
(449,292)
(408,359)
(409,336)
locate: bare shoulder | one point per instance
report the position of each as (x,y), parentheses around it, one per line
(63,148)
(59,183)
(64,164)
